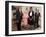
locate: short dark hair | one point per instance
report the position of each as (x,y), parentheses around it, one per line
(30,7)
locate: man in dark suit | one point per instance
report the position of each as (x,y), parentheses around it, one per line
(37,14)
(31,18)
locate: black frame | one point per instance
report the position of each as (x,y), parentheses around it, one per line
(6,17)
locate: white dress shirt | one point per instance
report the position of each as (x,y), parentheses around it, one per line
(31,13)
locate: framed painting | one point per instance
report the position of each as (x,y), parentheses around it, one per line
(24,18)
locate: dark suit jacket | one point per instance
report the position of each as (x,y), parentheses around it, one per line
(31,22)
(37,17)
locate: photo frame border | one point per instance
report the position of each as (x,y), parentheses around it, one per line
(7,17)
